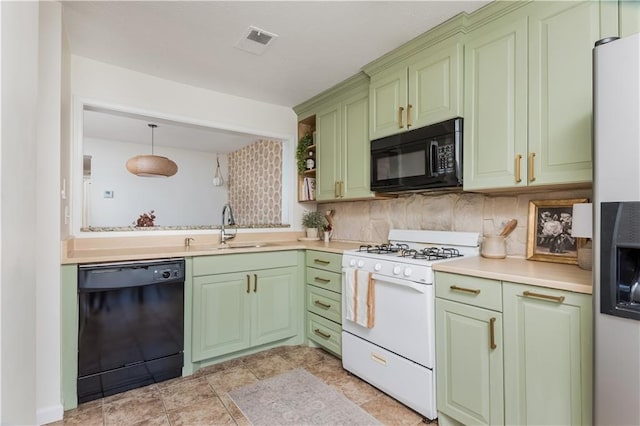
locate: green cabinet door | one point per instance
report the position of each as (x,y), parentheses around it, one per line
(355,152)
(629,18)
(388,96)
(435,84)
(275,294)
(328,142)
(469,384)
(547,356)
(495,105)
(343,149)
(561,40)
(221,314)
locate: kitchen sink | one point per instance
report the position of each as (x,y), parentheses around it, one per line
(229,246)
(246,244)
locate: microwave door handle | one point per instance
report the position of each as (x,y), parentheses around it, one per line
(434,157)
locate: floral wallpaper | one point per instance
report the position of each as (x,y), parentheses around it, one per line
(255,183)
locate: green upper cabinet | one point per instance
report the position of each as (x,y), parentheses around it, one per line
(547,356)
(342,147)
(495,113)
(629,17)
(341,122)
(528,95)
(424,89)
(328,137)
(561,39)
(388,94)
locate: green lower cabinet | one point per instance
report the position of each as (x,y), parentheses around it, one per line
(469,375)
(274,312)
(239,310)
(547,356)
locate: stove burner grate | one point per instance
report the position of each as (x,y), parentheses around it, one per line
(432,253)
(383,248)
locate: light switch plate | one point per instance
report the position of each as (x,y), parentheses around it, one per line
(107,194)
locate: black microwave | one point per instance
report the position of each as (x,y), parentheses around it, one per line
(426,158)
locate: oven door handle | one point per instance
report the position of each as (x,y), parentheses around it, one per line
(421,288)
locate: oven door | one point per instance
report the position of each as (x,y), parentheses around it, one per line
(404,317)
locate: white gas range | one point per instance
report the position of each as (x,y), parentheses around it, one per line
(395,351)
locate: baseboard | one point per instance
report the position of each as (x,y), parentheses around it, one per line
(49,414)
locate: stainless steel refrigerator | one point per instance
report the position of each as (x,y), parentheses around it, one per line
(616,204)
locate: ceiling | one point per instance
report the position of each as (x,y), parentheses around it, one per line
(319,44)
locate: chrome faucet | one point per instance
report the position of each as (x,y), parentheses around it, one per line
(227,217)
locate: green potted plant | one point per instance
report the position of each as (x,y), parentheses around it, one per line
(301,153)
(312,221)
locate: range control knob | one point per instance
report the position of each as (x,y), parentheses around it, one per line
(166,274)
(352,262)
(407,272)
(377,266)
(360,263)
(396,270)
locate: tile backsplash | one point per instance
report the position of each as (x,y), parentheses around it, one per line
(255,183)
(485,213)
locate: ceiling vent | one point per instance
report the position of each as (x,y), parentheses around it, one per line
(255,40)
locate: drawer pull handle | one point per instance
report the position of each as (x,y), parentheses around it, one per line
(378,358)
(322,334)
(558,299)
(464,290)
(248,283)
(255,282)
(492,333)
(518,176)
(322,280)
(322,305)
(322,262)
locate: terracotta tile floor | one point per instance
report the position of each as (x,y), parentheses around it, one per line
(202,399)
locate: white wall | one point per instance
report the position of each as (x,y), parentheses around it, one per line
(65,146)
(18,262)
(47,247)
(110,85)
(187,198)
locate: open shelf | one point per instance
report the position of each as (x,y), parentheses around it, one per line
(307,180)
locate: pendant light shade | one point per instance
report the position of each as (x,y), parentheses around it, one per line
(151,165)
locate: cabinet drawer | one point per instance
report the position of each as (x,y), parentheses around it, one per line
(481,292)
(324,279)
(328,261)
(324,303)
(324,332)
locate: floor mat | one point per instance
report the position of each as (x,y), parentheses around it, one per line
(297,397)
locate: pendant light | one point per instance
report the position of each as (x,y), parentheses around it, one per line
(218,180)
(152,165)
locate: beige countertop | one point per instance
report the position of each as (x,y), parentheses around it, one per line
(543,274)
(80,252)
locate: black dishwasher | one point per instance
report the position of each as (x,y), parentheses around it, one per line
(131,325)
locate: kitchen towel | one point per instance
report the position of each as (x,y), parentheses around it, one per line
(360,297)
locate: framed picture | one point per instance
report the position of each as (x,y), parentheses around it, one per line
(549,231)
